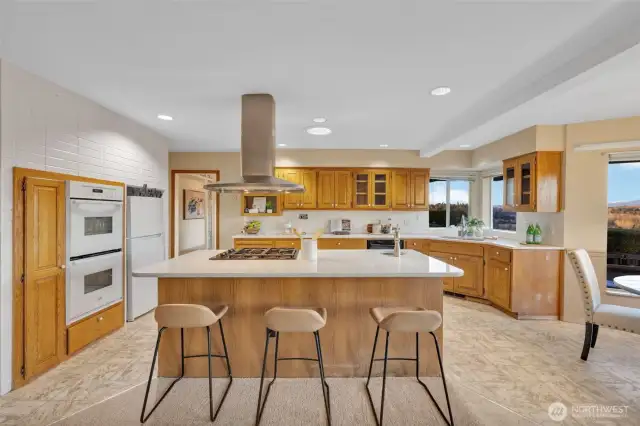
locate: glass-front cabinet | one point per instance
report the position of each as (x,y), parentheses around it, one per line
(509,172)
(532,182)
(371,189)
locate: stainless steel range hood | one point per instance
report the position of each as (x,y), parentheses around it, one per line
(257,150)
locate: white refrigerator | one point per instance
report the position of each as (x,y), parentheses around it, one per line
(145,246)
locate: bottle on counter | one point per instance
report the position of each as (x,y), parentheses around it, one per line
(537,234)
(529,239)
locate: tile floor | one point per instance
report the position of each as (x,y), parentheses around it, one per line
(496,363)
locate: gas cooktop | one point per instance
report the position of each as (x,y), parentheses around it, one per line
(258,254)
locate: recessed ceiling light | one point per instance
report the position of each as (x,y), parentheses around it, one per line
(165,117)
(319,131)
(282,144)
(319,120)
(384,146)
(441,91)
(465,146)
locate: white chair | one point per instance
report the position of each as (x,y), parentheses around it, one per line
(597,314)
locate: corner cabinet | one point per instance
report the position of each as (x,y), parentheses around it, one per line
(410,189)
(532,182)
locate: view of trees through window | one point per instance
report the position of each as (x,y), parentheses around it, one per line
(456,192)
(623,236)
(500,219)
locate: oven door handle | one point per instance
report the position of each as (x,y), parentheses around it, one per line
(103,259)
(111,208)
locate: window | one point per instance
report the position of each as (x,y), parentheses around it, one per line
(448,201)
(623,234)
(500,219)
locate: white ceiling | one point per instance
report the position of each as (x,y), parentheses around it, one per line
(366,65)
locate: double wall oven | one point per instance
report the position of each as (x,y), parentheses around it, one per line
(94,248)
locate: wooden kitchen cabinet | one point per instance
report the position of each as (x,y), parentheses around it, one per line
(305,177)
(288,243)
(240,243)
(342,244)
(334,189)
(532,182)
(499,283)
(448,282)
(419,245)
(471,283)
(372,189)
(94,327)
(410,189)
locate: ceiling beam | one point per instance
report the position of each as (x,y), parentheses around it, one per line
(617,30)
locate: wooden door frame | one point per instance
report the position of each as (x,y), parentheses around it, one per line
(172,206)
(18,258)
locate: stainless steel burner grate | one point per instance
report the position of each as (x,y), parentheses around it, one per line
(258,254)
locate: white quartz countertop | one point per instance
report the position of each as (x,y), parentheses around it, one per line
(500,242)
(330,263)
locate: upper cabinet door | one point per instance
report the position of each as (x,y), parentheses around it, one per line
(362,190)
(342,185)
(419,189)
(291,201)
(526,179)
(402,196)
(509,172)
(381,190)
(326,189)
(308,197)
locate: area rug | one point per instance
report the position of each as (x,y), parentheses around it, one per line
(291,402)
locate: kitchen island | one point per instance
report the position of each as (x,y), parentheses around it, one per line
(345,282)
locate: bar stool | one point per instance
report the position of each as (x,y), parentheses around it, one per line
(293,320)
(189,316)
(406,320)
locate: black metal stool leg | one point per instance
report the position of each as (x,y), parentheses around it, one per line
(153,364)
(325,386)
(262,403)
(373,354)
(209,368)
(444,384)
(226,357)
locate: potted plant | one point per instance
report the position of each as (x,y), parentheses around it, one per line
(475,227)
(269,206)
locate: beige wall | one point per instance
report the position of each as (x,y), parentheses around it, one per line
(228,163)
(586,206)
(491,155)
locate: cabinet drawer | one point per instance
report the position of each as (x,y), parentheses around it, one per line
(418,245)
(503,255)
(470,249)
(289,243)
(252,243)
(341,244)
(94,327)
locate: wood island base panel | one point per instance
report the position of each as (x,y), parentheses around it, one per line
(346,340)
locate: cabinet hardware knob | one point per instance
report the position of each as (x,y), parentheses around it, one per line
(506,269)
(339,243)
(497,252)
(100,319)
(63,266)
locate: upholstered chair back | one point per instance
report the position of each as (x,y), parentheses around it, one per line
(587,279)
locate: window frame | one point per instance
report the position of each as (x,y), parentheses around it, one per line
(448,198)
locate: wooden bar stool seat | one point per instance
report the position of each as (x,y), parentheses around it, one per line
(406,320)
(293,320)
(189,316)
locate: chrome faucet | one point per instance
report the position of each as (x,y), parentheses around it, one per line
(396,241)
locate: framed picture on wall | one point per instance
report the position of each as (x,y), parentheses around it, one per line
(193,204)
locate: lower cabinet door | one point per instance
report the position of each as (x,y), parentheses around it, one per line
(447,283)
(471,283)
(499,283)
(288,243)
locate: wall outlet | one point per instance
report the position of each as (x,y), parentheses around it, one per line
(303,216)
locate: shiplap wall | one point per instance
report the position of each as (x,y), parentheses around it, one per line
(46,127)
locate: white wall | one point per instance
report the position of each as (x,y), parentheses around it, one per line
(46,127)
(191,233)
